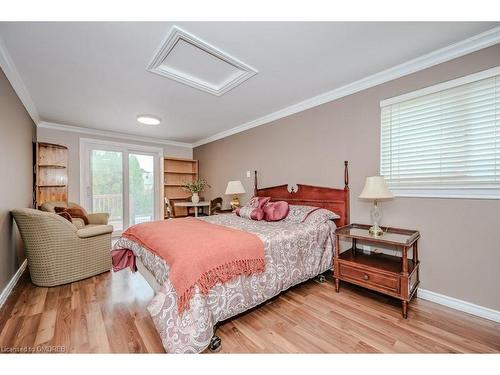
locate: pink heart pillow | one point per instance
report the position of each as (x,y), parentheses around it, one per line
(250,213)
(253,209)
(258,202)
(275,211)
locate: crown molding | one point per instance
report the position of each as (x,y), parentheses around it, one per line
(111,134)
(442,55)
(464,47)
(16,81)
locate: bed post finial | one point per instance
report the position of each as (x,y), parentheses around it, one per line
(255,183)
(346,175)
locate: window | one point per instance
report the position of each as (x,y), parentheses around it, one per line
(444,140)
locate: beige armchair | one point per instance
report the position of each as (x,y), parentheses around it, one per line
(58,252)
(94,219)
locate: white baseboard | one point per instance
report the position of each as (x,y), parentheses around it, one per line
(12,283)
(457,304)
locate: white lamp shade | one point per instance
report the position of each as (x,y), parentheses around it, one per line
(376,188)
(235,187)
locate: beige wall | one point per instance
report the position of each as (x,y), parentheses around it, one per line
(17,132)
(460,248)
(72,141)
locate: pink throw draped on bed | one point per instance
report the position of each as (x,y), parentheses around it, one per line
(199,253)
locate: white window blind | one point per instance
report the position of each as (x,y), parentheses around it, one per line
(444,140)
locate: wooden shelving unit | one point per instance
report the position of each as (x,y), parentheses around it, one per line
(51,172)
(177,171)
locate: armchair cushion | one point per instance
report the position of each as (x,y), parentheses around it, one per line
(79,224)
(93,231)
(98,218)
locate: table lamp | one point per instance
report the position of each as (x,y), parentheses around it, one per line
(234,188)
(376,189)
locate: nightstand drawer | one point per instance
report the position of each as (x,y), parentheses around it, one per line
(370,277)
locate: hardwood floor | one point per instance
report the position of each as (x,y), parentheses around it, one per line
(107,313)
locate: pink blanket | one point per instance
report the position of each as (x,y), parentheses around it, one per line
(199,253)
(123,258)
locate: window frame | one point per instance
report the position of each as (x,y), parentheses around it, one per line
(445,191)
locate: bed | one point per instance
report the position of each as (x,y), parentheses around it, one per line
(293,253)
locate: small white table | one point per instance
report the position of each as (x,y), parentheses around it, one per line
(195,205)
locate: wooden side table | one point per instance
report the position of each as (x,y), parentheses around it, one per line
(195,205)
(396,276)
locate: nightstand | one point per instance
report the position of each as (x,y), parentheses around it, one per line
(396,276)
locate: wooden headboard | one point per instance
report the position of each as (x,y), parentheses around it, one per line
(336,200)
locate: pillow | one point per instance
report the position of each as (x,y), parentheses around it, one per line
(320,216)
(309,215)
(297,214)
(74,212)
(258,202)
(250,213)
(253,209)
(66,216)
(275,211)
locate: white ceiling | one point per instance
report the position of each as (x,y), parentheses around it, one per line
(94,75)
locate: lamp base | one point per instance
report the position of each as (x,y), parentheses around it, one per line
(235,202)
(375,231)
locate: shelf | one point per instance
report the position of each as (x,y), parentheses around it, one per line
(175,172)
(376,260)
(51,166)
(392,236)
(180,159)
(52,145)
(47,186)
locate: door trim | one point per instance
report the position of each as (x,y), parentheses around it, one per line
(126,149)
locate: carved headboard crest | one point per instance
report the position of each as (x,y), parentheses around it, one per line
(333,199)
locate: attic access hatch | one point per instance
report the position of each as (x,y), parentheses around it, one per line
(193,62)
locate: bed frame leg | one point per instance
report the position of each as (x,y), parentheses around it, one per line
(215,344)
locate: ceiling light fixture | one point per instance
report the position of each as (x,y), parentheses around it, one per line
(148,120)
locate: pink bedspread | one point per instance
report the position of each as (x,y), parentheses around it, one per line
(199,253)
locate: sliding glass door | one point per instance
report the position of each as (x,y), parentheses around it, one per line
(141,178)
(122,180)
(106,185)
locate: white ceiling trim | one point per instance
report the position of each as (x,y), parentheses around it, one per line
(16,81)
(439,56)
(176,34)
(111,134)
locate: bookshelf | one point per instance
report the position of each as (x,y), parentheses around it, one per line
(51,172)
(177,171)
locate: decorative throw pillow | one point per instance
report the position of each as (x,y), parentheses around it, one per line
(320,216)
(66,216)
(275,211)
(253,209)
(74,212)
(250,213)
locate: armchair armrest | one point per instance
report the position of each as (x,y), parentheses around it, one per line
(94,231)
(98,218)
